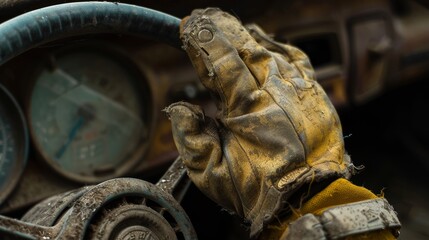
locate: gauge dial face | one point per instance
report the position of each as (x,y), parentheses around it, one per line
(86,116)
(13,143)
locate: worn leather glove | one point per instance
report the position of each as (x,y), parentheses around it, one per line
(276,129)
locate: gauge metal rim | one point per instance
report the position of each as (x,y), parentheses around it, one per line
(21,163)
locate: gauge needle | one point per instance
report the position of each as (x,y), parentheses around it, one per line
(78,124)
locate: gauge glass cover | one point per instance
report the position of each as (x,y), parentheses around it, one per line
(86,115)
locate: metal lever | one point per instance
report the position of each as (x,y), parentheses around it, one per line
(175,180)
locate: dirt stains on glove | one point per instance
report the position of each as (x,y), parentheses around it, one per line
(276,128)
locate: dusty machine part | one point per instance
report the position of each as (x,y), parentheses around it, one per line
(47,212)
(175,180)
(116,209)
(132,221)
(140,218)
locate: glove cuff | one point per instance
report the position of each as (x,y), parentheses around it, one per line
(276,197)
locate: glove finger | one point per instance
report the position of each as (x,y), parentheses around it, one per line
(195,135)
(294,56)
(256,58)
(300,60)
(262,63)
(217,61)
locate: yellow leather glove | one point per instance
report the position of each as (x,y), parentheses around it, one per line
(276,129)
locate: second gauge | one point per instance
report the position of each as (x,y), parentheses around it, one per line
(86,116)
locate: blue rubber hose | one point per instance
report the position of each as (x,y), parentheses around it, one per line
(40,26)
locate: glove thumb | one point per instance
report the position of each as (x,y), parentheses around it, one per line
(195,135)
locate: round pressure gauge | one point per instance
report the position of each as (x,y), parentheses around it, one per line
(13,143)
(87,117)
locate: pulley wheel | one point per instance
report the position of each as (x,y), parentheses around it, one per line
(132,221)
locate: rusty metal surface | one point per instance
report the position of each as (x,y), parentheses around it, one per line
(86,206)
(47,212)
(175,180)
(15,229)
(151,225)
(127,195)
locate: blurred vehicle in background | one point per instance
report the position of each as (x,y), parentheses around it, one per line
(92,105)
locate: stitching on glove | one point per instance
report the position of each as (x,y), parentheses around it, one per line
(289,118)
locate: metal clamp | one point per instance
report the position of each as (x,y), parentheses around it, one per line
(346,220)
